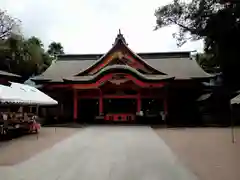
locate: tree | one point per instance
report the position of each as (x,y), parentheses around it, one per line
(20,55)
(207,62)
(36,41)
(25,57)
(33,57)
(8,25)
(55,48)
(215,21)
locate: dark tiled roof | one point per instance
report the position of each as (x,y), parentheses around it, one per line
(180,68)
(172,64)
(84,57)
(63,69)
(152,55)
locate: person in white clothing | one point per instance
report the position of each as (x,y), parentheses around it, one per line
(5,116)
(5,122)
(163,115)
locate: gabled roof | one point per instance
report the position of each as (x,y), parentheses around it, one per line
(171,64)
(118,68)
(180,68)
(119,48)
(145,55)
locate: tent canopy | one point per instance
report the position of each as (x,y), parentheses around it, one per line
(24,94)
(236,100)
(8,94)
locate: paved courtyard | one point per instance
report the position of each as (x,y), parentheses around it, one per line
(208,152)
(102,153)
(21,149)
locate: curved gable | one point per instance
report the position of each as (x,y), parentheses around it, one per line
(120,53)
(116,75)
(122,69)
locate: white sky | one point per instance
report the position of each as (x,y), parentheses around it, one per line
(90,26)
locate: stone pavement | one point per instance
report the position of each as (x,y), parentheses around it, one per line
(208,152)
(22,148)
(103,153)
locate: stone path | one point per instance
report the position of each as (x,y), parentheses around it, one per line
(103,153)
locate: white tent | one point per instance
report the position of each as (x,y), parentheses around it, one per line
(24,94)
(9,95)
(33,94)
(236,100)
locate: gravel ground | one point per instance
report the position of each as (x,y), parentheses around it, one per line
(20,149)
(208,152)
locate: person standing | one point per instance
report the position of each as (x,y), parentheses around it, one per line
(163,115)
(5,122)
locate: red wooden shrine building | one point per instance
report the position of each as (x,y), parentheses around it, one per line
(122,85)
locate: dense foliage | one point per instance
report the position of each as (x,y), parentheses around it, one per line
(55,48)
(208,63)
(215,21)
(23,56)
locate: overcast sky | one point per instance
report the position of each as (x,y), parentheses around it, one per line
(90,26)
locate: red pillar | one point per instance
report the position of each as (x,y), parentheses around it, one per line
(100,102)
(139,102)
(75,105)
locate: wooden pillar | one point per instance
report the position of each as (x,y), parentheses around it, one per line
(165,106)
(139,106)
(165,101)
(62,110)
(75,105)
(100,102)
(37,110)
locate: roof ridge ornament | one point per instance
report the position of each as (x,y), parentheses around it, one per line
(120,37)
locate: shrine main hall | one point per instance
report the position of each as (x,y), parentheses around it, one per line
(124,86)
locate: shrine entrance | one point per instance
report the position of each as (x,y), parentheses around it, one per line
(120,110)
(120,106)
(118,97)
(87,110)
